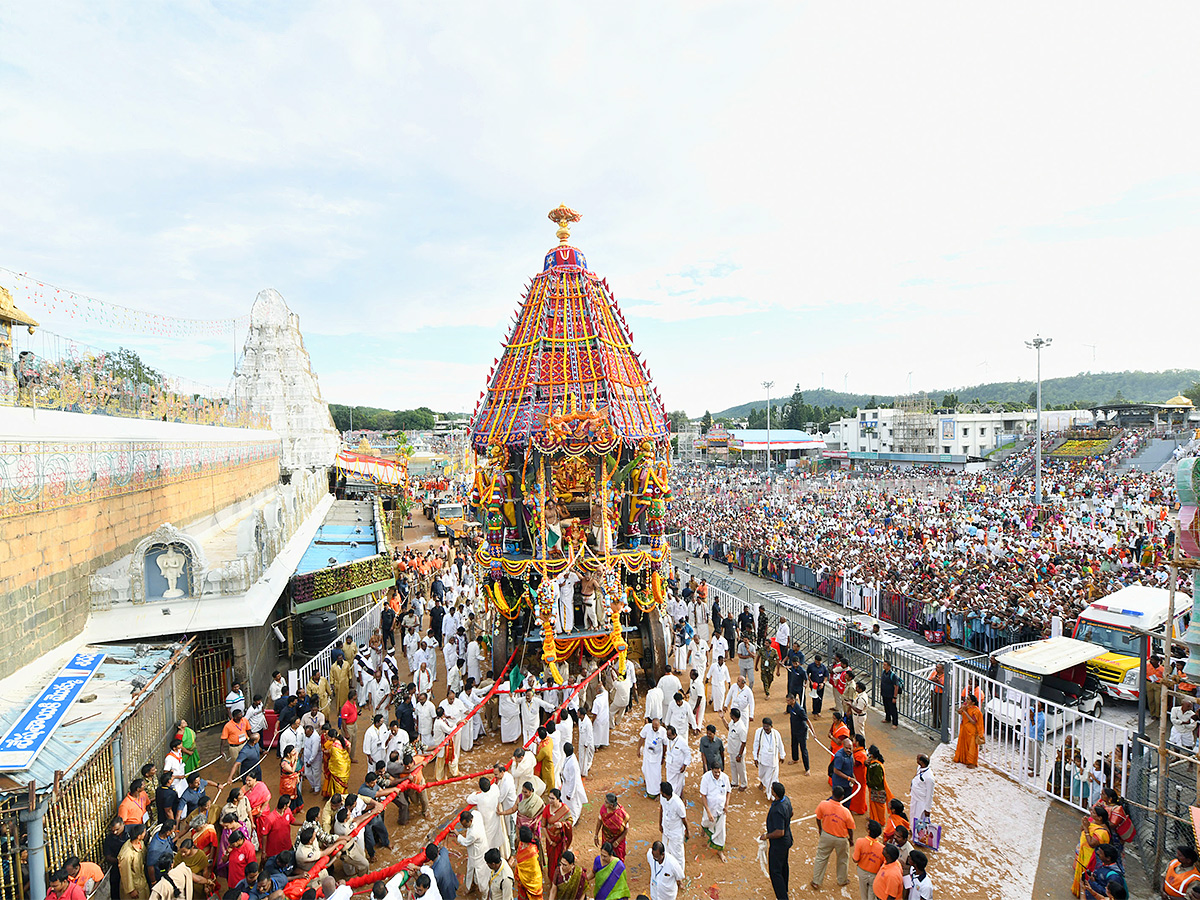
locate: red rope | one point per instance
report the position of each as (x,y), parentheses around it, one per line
(419,857)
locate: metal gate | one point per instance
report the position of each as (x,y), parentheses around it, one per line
(1056,758)
(14,880)
(212,668)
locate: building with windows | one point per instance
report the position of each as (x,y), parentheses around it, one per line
(923,430)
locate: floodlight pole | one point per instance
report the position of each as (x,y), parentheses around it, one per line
(1037,344)
(768,385)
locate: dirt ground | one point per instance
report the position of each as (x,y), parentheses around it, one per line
(617,769)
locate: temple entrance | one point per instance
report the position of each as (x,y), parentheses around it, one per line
(212,673)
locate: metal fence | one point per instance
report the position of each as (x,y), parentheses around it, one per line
(322,663)
(1057,756)
(924,618)
(1179,790)
(827,634)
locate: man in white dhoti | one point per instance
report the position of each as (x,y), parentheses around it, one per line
(622,692)
(566,601)
(487,810)
(737,737)
(672,820)
(375,742)
(677,713)
(696,701)
(679,757)
(523,770)
(475,660)
(470,834)
(531,719)
(651,752)
(506,805)
(426,713)
(718,682)
(602,722)
(669,684)
(564,733)
(920,801)
(654,704)
(313,759)
(573,793)
(768,754)
(587,741)
(715,789)
(510,716)
(741,697)
(699,658)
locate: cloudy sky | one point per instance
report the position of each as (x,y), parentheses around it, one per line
(862,194)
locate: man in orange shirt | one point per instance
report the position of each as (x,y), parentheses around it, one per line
(133,807)
(84,873)
(234,734)
(835,825)
(889,880)
(348,717)
(868,857)
(1154,683)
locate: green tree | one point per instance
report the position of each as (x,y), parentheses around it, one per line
(949,401)
(126,365)
(706,423)
(679,420)
(1193,393)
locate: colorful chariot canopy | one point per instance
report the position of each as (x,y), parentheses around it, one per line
(568,372)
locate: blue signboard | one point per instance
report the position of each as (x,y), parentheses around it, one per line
(25,740)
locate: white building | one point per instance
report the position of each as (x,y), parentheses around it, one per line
(942,431)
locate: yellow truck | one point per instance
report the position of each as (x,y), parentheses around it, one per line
(1110,622)
(449,519)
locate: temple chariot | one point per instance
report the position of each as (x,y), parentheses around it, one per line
(574,491)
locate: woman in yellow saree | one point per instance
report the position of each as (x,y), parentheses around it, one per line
(337,766)
(528,867)
(1092,835)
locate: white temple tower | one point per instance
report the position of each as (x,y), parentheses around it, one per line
(275,377)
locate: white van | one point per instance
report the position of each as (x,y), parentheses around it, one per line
(1110,622)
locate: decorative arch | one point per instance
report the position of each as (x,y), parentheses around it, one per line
(167,535)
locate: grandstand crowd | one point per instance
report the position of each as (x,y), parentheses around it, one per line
(971,549)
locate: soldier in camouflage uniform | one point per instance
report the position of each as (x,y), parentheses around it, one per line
(762,624)
(768,665)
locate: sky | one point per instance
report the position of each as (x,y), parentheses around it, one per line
(866,196)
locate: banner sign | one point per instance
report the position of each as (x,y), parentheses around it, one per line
(25,740)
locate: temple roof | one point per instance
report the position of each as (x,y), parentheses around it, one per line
(568,349)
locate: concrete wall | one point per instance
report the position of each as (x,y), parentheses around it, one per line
(48,552)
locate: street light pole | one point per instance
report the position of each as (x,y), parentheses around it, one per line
(1037,344)
(768,385)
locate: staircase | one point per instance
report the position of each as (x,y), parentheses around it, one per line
(1157,452)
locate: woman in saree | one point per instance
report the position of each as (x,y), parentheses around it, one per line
(879,795)
(857,803)
(896,819)
(557,830)
(229,824)
(970,732)
(191,756)
(544,755)
(608,875)
(195,859)
(529,812)
(257,794)
(289,772)
(238,806)
(527,866)
(569,881)
(337,765)
(612,826)
(1092,835)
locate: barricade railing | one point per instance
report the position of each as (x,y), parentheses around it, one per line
(974,633)
(322,663)
(1046,746)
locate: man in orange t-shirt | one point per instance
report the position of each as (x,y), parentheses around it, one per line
(868,857)
(889,880)
(835,825)
(132,809)
(234,734)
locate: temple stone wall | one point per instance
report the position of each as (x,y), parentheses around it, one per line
(48,554)
(275,377)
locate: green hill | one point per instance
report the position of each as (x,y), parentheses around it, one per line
(1080,391)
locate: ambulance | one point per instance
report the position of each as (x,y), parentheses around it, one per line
(1110,622)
